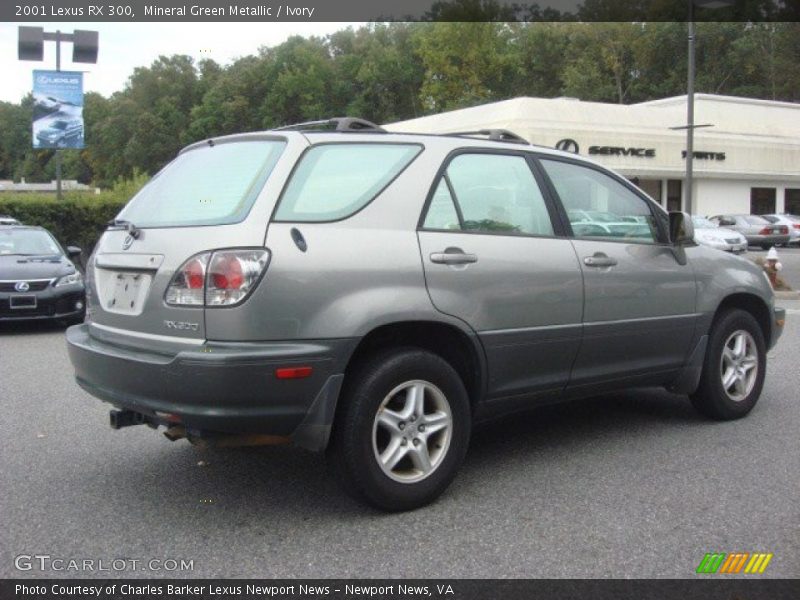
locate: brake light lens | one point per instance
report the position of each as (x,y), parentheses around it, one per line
(765,231)
(188,284)
(784,230)
(221,278)
(232,274)
(796,225)
(195,274)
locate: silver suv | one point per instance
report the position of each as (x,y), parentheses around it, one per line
(377,294)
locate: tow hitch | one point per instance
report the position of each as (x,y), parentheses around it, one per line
(175,431)
(127,418)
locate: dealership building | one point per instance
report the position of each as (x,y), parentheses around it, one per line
(746,154)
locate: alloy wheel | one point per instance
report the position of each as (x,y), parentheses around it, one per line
(739,365)
(412,430)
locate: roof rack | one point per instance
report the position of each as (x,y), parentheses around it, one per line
(497,135)
(335,124)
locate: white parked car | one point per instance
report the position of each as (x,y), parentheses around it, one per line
(709,234)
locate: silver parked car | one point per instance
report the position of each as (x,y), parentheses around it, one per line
(709,234)
(757,230)
(375,295)
(792,222)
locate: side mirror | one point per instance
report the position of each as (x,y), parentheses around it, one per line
(681,229)
(74,251)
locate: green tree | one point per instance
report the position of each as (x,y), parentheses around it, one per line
(377,74)
(540,50)
(15,136)
(601,61)
(302,83)
(231,101)
(465,64)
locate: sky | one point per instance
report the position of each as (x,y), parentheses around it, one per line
(124,46)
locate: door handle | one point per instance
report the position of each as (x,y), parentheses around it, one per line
(599,259)
(453,256)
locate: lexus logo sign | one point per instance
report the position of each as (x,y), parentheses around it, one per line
(568,145)
(127,242)
(22,286)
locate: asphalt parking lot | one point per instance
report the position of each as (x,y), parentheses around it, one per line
(626,485)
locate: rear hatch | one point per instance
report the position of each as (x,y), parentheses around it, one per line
(217,194)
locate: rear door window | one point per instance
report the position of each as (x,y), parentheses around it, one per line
(208,185)
(491,193)
(334,181)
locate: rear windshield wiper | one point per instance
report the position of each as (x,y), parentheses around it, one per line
(130,227)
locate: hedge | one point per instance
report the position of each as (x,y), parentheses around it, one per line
(75,220)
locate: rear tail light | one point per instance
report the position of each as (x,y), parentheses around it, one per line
(187,287)
(796,225)
(221,278)
(232,274)
(784,230)
(765,231)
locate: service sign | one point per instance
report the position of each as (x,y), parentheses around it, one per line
(57,109)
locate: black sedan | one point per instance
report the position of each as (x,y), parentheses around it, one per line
(38,279)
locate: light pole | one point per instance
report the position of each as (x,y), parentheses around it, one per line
(84,50)
(690,126)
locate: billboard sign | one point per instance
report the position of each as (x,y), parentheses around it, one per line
(57,109)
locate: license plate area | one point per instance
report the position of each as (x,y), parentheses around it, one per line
(126,292)
(23,302)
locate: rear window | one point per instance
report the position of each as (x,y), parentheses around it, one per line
(754,220)
(210,185)
(334,181)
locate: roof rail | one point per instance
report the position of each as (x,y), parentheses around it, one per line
(497,135)
(335,124)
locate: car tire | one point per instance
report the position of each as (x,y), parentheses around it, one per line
(734,367)
(766,246)
(402,429)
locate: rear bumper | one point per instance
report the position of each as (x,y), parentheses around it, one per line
(216,387)
(757,240)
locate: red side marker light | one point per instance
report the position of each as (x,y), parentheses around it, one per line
(293,372)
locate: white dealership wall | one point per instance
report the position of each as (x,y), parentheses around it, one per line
(760,141)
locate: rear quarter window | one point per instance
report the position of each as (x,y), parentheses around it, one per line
(334,181)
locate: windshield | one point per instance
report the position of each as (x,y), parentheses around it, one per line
(59,125)
(703,223)
(209,185)
(27,242)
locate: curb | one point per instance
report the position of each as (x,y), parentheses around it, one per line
(792,295)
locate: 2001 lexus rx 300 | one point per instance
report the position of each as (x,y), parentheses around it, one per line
(375,294)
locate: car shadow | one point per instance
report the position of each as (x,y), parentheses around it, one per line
(32,327)
(283,480)
(575,423)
